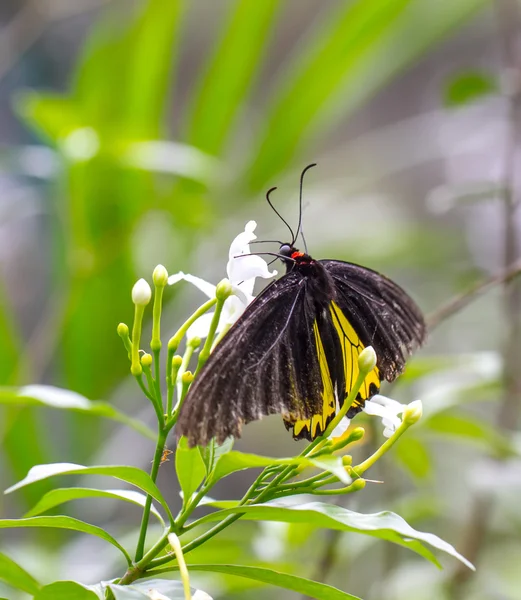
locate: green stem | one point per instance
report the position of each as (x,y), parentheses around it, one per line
(175,340)
(205,352)
(156,402)
(170,381)
(143,387)
(139,310)
(160,446)
(157,380)
(385,447)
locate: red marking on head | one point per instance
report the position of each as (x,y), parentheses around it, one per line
(297,254)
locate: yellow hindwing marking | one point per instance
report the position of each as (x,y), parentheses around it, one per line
(318,422)
(351,349)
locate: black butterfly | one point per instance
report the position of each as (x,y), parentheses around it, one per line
(295,349)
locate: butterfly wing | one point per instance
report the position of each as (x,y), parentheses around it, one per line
(371,310)
(267,363)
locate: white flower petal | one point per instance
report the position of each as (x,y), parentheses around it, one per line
(205,287)
(341,428)
(243,268)
(232,310)
(388,432)
(391,405)
(201,327)
(242,294)
(388,416)
(240,244)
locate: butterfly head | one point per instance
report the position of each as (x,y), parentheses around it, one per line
(291,256)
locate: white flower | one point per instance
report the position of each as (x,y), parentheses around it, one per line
(389,409)
(242,273)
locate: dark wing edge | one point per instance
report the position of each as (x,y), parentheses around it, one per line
(253,371)
(381,312)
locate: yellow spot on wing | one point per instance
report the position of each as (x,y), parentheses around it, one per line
(351,349)
(317,424)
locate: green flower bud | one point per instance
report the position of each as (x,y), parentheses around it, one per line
(367,359)
(195,342)
(347,460)
(146,359)
(173,344)
(187,377)
(357,485)
(223,290)
(141,293)
(177,361)
(160,276)
(413,412)
(356,435)
(123,330)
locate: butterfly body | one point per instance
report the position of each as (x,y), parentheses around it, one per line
(295,349)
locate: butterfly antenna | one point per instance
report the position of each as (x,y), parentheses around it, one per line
(304,240)
(278,214)
(299,228)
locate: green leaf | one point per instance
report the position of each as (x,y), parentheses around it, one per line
(213,452)
(141,589)
(468,87)
(190,468)
(16,576)
(414,456)
(344,63)
(237,461)
(300,585)
(472,429)
(53,117)
(62,522)
(233,66)
(66,590)
(54,397)
(384,525)
(131,475)
(62,495)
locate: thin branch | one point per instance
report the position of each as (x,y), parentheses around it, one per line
(462,300)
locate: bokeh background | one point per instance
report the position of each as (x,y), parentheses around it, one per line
(142,132)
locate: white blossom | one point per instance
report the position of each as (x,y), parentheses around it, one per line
(242,271)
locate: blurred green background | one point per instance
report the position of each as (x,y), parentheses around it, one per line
(137,132)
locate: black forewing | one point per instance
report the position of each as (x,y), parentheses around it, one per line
(380,311)
(266,364)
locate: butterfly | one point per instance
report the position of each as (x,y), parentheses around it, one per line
(294,351)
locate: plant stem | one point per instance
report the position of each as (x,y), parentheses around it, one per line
(161,440)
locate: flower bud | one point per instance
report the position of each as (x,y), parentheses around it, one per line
(195,342)
(413,412)
(177,361)
(347,460)
(357,485)
(160,276)
(173,344)
(146,359)
(123,330)
(223,290)
(141,293)
(187,377)
(356,435)
(367,359)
